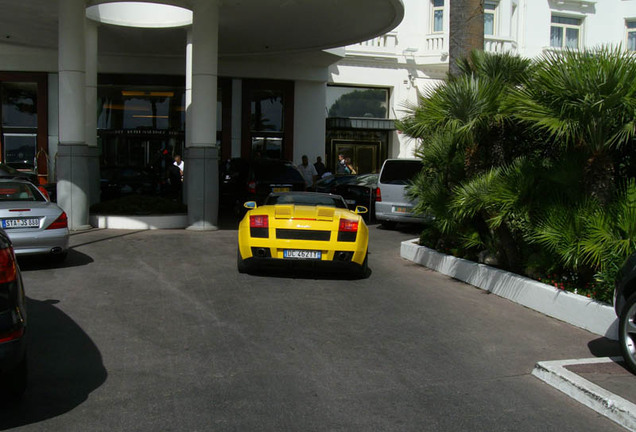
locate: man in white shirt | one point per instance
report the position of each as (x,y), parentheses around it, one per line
(308,172)
(179,163)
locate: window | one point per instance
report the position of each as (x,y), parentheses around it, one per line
(631,35)
(438,16)
(490,13)
(565,32)
(357,102)
(267,119)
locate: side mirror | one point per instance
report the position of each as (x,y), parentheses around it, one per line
(250,205)
(361,210)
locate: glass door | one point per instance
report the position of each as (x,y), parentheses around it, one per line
(363,155)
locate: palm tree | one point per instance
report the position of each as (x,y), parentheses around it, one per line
(466,32)
(584,101)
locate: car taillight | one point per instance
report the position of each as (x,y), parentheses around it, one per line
(60,222)
(378,195)
(251,187)
(12,335)
(8,268)
(347,225)
(259,221)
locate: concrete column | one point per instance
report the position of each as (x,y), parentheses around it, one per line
(72,157)
(91,111)
(201,168)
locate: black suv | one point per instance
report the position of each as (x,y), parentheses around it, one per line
(13,365)
(625,307)
(254,179)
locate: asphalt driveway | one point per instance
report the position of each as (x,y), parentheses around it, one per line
(156,330)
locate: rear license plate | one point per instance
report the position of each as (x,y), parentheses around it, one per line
(401,209)
(281,189)
(21,223)
(302,254)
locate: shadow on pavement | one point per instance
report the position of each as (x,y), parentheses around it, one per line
(307,272)
(73,259)
(65,366)
(604,347)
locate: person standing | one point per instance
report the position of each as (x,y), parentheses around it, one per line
(308,172)
(349,167)
(320,167)
(179,163)
(341,168)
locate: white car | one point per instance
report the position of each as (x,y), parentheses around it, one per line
(35,225)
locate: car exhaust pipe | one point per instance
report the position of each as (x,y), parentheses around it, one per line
(56,250)
(344,256)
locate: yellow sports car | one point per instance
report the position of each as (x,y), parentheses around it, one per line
(303,228)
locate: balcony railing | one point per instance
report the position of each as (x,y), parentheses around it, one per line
(499,45)
(435,44)
(384,45)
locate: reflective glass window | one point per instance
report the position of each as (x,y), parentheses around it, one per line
(631,35)
(267,111)
(565,32)
(438,15)
(357,102)
(490,10)
(19,104)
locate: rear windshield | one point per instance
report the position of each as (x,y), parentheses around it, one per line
(308,199)
(14,191)
(399,171)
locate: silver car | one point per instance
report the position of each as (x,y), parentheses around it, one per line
(391,204)
(34,224)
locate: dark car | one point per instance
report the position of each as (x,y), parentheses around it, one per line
(7,171)
(357,190)
(254,179)
(328,184)
(625,307)
(13,363)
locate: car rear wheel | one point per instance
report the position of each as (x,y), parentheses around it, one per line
(627,332)
(364,269)
(240,263)
(389,225)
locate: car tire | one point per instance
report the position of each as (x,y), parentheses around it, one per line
(14,382)
(388,225)
(627,332)
(240,263)
(364,269)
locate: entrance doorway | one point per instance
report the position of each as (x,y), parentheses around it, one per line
(363,154)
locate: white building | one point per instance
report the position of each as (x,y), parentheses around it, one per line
(91,84)
(414,57)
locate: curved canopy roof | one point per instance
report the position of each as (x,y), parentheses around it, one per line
(246,27)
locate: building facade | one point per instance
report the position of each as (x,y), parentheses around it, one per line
(96,86)
(92,86)
(413,58)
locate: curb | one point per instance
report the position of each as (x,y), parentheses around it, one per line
(177,221)
(572,308)
(614,407)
